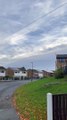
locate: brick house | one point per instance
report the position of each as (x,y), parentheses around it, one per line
(9,73)
(47,74)
(61,62)
(32,74)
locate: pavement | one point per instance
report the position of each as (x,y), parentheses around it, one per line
(7,112)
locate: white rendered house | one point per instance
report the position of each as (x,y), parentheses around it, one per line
(19,74)
(2,72)
(40,74)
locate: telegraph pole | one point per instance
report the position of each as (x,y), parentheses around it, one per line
(32,72)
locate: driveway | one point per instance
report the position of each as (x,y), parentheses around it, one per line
(7,112)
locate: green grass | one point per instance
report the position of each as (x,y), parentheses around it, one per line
(31,98)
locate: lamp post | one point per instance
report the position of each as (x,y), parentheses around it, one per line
(32,71)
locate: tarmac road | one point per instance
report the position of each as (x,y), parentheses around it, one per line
(7,112)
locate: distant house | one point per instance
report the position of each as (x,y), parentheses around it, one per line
(40,74)
(9,73)
(47,74)
(19,73)
(32,74)
(2,72)
(61,62)
(16,73)
(24,72)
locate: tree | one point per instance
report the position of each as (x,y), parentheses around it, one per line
(59,73)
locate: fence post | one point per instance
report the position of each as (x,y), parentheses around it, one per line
(49,107)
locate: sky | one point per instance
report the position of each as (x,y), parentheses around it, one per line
(32,31)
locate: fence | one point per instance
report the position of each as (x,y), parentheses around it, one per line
(56,107)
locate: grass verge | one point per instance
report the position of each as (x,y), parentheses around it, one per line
(31,98)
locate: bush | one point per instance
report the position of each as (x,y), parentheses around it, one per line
(59,73)
(65,70)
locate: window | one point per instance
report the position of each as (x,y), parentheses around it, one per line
(16,71)
(2,71)
(62,60)
(23,72)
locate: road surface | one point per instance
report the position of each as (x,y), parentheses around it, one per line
(7,112)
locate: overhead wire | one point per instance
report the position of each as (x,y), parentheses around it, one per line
(45,15)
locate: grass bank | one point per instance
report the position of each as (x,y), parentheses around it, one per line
(31,98)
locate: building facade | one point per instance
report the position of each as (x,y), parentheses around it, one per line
(9,73)
(16,73)
(2,72)
(19,73)
(47,74)
(32,74)
(61,62)
(40,74)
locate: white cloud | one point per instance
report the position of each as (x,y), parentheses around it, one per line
(58,42)
(60,10)
(3,56)
(38,4)
(17,38)
(44,7)
(64,30)
(22,44)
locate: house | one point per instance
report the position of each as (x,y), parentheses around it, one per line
(32,73)
(19,73)
(40,74)
(24,72)
(16,73)
(61,62)
(2,72)
(35,74)
(9,73)
(47,74)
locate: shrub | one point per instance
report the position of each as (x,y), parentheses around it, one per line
(59,73)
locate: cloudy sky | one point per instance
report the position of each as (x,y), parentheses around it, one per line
(32,31)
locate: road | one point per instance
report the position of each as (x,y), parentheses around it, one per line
(7,112)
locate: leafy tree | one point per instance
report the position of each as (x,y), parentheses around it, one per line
(59,73)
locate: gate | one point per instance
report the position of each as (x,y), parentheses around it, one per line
(56,107)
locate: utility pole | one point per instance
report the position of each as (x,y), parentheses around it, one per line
(32,72)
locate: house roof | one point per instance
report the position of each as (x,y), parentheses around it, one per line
(22,69)
(15,69)
(61,56)
(2,68)
(34,70)
(18,69)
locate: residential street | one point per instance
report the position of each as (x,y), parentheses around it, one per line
(7,112)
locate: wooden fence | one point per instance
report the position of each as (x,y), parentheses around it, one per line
(57,107)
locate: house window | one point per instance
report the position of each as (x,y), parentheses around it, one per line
(16,71)
(62,60)
(2,71)
(23,72)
